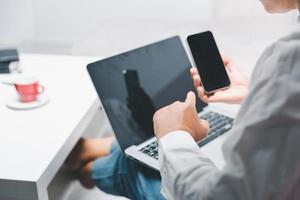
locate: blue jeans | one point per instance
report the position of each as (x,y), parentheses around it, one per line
(118,175)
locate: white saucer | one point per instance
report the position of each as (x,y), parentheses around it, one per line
(14,103)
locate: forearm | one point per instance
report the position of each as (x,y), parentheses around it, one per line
(186,172)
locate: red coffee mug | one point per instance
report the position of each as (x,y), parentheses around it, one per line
(28,89)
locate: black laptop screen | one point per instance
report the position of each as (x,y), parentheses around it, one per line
(133,85)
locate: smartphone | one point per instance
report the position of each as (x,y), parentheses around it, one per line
(208,62)
(131,80)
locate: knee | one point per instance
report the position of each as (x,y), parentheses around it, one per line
(115,174)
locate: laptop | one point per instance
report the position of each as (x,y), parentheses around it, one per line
(135,84)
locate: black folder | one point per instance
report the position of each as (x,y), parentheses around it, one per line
(6,57)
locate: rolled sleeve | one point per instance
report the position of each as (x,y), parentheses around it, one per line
(177,140)
(179,154)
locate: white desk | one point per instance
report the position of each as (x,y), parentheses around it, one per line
(35,143)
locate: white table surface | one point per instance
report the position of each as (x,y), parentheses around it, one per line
(32,140)
(35,143)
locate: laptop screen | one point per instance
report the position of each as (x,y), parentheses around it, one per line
(135,84)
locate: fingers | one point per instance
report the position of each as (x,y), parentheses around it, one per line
(197,81)
(201,131)
(191,98)
(216,97)
(205,125)
(193,71)
(195,76)
(227,62)
(202,95)
(208,98)
(220,96)
(225,58)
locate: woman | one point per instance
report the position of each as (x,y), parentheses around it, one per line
(262,154)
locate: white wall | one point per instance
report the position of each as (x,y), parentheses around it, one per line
(73,19)
(17,21)
(76,18)
(106,27)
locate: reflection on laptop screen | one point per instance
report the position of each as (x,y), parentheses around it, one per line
(133,85)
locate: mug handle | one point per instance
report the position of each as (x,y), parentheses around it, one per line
(41,89)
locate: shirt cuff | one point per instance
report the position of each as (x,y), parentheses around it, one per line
(178,140)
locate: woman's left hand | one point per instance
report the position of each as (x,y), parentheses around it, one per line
(237,91)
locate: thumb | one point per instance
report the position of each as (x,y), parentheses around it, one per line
(191,98)
(204,126)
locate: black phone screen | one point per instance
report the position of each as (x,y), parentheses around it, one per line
(208,61)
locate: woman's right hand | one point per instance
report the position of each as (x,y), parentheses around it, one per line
(235,94)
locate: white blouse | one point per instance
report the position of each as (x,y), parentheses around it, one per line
(262,153)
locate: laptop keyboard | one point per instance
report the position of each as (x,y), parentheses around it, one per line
(151,150)
(219,124)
